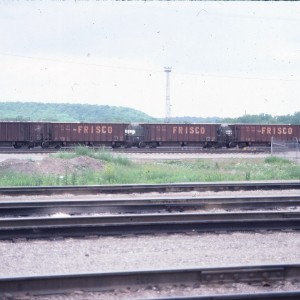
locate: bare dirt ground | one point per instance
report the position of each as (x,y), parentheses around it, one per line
(41,164)
(48,165)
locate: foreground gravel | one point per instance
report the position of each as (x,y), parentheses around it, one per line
(128,253)
(108,254)
(158,292)
(148,252)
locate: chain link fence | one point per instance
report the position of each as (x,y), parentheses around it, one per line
(288,150)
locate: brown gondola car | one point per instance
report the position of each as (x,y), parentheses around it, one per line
(180,135)
(47,134)
(92,134)
(262,135)
(23,134)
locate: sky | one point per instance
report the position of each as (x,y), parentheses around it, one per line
(228,58)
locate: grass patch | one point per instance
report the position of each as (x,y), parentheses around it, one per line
(96,154)
(19,179)
(276,160)
(121,170)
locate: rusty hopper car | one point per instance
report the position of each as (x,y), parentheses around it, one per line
(23,134)
(92,134)
(47,134)
(252,135)
(206,135)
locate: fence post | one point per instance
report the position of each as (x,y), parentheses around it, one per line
(271,146)
(297,147)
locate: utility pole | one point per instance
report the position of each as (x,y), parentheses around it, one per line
(168,100)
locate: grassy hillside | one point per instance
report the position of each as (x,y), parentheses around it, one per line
(31,111)
(266,119)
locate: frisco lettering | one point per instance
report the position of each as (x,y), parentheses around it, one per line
(94,129)
(189,130)
(277,130)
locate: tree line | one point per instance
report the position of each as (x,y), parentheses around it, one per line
(53,112)
(64,112)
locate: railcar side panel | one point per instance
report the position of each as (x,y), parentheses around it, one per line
(12,131)
(23,131)
(193,133)
(39,132)
(265,133)
(88,132)
(180,133)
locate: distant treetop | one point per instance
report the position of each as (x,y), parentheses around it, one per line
(64,112)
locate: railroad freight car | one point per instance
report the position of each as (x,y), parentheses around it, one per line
(206,135)
(262,135)
(91,134)
(48,134)
(23,134)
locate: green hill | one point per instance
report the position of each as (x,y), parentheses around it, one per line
(54,112)
(32,111)
(266,119)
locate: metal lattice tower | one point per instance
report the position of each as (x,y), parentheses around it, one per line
(168,100)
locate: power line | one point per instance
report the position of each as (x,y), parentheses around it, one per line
(148,70)
(238,77)
(80,63)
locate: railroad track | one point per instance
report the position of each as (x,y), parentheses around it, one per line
(54,284)
(147,188)
(191,150)
(45,227)
(146,205)
(40,227)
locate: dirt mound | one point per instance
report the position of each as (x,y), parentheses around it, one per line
(47,166)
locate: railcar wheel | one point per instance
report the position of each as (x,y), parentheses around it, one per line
(231,145)
(116,145)
(30,145)
(153,145)
(208,145)
(57,146)
(142,144)
(17,145)
(45,145)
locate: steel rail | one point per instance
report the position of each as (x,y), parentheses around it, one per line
(292,295)
(178,150)
(193,150)
(39,227)
(147,188)
(49,284)
(142,205)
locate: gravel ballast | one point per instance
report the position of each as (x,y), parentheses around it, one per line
(148,252)
(109,254)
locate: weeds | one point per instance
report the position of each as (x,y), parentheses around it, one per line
(276,160)
(100,154)
(120,170)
